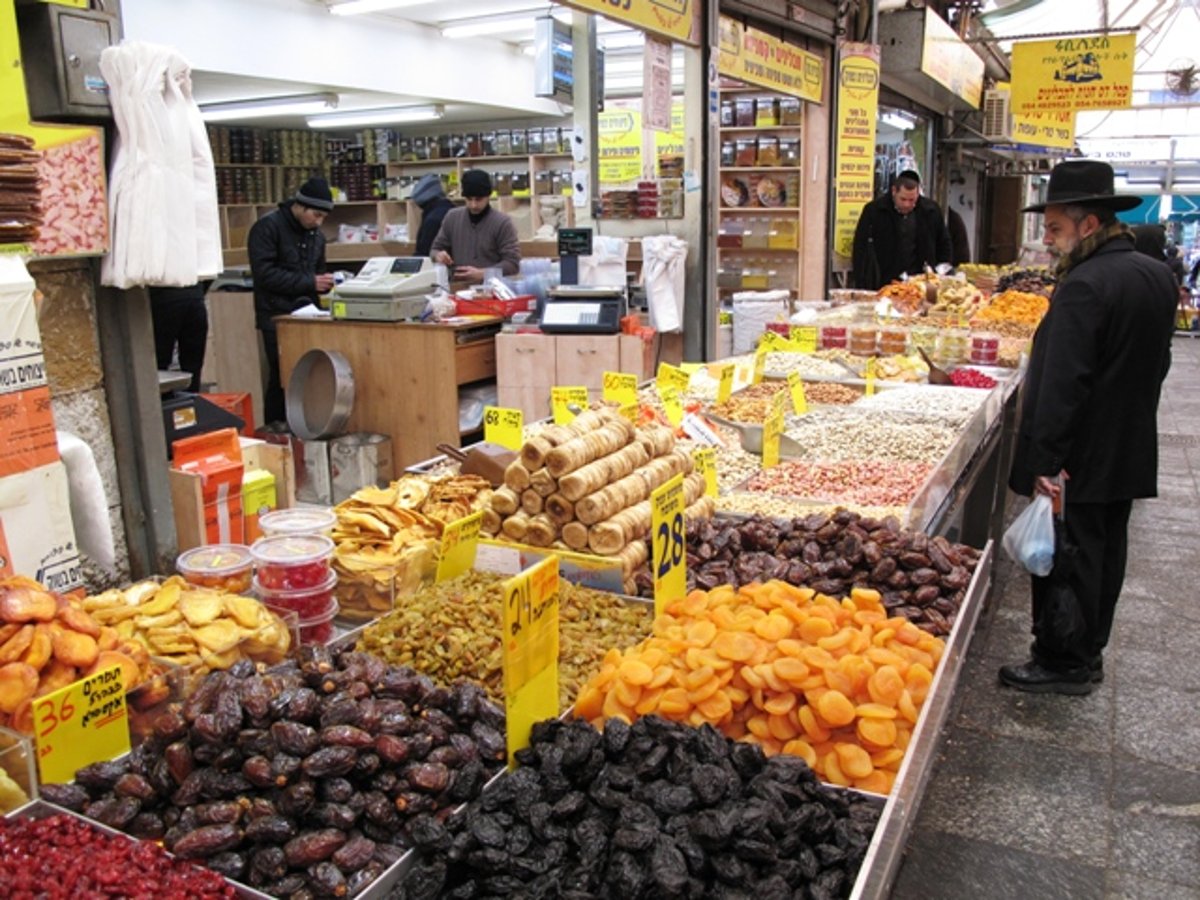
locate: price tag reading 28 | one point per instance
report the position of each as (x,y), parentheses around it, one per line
(668,543)
(505,427)
(530,650)
(82,723)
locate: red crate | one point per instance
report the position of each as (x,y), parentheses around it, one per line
(493,306)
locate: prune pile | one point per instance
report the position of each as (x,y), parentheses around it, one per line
(304,781)
(1032,281)
(650,810)
(919,577)
(61,857)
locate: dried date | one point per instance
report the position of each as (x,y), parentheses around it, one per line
(329,761)
(207,841)
(313,847)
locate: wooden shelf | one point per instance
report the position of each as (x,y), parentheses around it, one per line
(454,160)
(758,249)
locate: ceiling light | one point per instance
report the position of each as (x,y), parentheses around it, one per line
(488,25)
(263,107)
(357,7)
(897,120)
(386,115)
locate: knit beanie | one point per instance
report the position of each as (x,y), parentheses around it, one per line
(428,188)
(476,183)
(316,194)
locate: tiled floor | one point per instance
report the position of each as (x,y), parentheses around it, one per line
(1043,797)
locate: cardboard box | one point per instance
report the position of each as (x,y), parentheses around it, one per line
(37,535)
(27,439)
(357,460)
(258,497)
(216,459)
(314,476)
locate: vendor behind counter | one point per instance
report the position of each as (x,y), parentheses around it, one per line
(477,237)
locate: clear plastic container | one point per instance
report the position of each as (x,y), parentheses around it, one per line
(223,567)
(292,562)
(862,340)
(314,629)
(833,337)
(985,349)
(298,521)
(304,602)
(953,346)
(893,340)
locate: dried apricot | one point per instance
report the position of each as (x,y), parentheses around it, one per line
(735,645)
(853,760)
(634,671)
(835,708)
(879,733)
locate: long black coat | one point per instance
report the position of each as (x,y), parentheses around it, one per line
(284,260)
(432,214)
(1090,398)
(877,238)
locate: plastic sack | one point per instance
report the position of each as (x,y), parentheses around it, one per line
(1029,540)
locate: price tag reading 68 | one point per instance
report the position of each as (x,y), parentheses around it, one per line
(503,426)
(668,543)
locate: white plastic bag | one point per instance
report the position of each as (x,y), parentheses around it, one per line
(1029,540)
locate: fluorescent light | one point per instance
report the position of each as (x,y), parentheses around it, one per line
(264,107)
(357,7)
(898,120)
(387,115)
(488,25)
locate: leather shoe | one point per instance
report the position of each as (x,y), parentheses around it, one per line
(1035,678)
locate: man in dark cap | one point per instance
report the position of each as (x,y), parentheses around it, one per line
(287,260)
(477,237)
(899,232)
(430,196)
(1088,432)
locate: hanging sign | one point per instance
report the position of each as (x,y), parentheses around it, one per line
(82,723)
(675,19)
(667,543)
(1073,73)
(757,58)
(459,543)
(854,173)
(505,427)
(530,657)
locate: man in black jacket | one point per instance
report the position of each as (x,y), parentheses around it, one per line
(1088,431)
(430,196)
(287,259)
(899,232)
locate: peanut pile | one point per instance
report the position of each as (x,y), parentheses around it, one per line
(856,482)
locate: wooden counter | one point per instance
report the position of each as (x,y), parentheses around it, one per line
(406,374)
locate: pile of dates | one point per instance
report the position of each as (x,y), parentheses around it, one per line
(652,810)
(919,577)
(303,781)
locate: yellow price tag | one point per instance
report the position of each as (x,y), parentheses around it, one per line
(668,543)
(690,368)
(629,411)
(804,338)
(672,405)
(760,364)
(706,464)
(563,398)
(620,388)
(339,309)
(776,343)
(772,431)
(82,723)
(871,377)
(725,388)
(672,376)
(459,542)
(530,656)
(503,426)
(796,389)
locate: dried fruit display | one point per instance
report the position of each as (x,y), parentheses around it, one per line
(1031,280)
(389,538)
(870,483)
(654,810)
(919,577)
(48,641)
(73,201)
(1014,306)
(60,857)
(951,405)
(751,404)
(807,364)
(853,434)
(972,378)
(191,626)
(838,683)
(305,780)
(452,630)
(828,393)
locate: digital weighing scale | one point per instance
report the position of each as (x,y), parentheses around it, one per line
(387,289)
(583,310)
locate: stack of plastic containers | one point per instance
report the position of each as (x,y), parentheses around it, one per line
(293,574)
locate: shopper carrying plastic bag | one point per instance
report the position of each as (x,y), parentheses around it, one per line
(1029,540)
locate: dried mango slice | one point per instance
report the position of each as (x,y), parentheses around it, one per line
(201,607)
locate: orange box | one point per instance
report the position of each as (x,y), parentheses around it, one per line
(217,459)
(27,438)
(240,405)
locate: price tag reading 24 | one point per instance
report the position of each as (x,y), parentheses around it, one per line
(530,650)
(668,542)
(82,723)
(505,427)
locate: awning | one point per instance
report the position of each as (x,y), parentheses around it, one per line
(1147,212)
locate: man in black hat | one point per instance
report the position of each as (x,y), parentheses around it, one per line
(1088,433)
(287,260)
(476,237)
(899,232)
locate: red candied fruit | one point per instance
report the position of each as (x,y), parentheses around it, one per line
(967,377)
(284,577)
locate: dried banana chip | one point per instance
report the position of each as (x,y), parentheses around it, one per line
(364,521)
(166,598)
(201,607)
(375,496)
(172,617)
(246,611)
(219,636)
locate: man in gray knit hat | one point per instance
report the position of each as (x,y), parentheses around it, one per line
(476,237)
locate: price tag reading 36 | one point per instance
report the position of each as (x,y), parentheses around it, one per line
(668,543)
(82,723)
(530,650)
(505,427)
(460,540)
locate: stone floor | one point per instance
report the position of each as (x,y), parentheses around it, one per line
(1042,797)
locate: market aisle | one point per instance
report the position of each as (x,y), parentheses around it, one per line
(1078,797)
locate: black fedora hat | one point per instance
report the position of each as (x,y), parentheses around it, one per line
(1083,181)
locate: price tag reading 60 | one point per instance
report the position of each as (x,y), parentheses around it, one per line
(620,388)
(668,542)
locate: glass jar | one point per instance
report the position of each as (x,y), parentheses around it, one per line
(534,140)
(766,112)
(953,346)
(744,112)
(924,337)
(519,142)
(728,152)
(503,142)
(747,152)
(728,114)
(790,111)
(730,236)
(789,151)
(768,151)
(755,236)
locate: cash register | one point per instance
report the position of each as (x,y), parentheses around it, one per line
(579,309)
(388,289)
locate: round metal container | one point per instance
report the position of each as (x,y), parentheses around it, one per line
(320,395)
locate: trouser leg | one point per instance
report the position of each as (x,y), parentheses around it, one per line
(273,404)
(1113,570)
(193,339)
(164,317)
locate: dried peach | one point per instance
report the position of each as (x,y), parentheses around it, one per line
(16,645)
(41,648)
(17,684)
(55,675)
(130,673)
(75,649)
(26,601)
(77,620)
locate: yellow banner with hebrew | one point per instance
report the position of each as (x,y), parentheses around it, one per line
(854,165)
(1073,73)
(674,19)
(757,58)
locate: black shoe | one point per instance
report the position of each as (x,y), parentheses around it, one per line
(1037,679)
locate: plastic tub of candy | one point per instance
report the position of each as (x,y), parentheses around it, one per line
(862,340)
(893,340)
(305,602)
(292,562)
(299,520)
(223,567)
(985,349)
(315,629)
(833,337)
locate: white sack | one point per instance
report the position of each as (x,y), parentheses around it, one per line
(664,259)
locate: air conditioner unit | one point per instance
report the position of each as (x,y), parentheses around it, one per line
(997,116)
